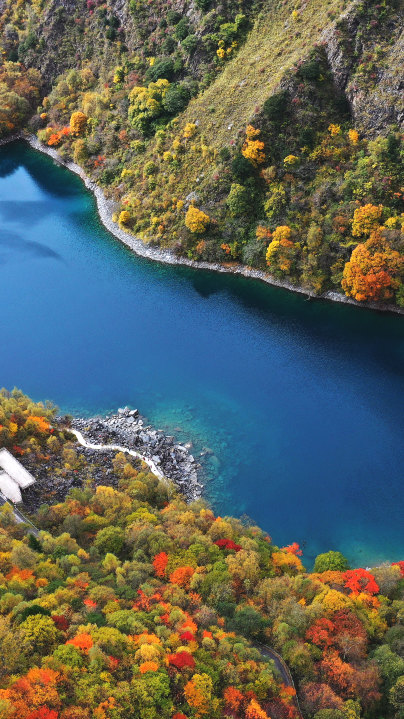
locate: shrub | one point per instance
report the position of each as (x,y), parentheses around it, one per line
(146,103)
(190,43)
(241,168)
(310,70)
(182,29)
(189,130)
(275,107)
(111,33)
(276,202)
(169,45)
(149,169)
(253,149)
(173,17)
(124,217)
(176,98)
(163,68)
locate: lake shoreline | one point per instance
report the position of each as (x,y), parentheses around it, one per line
(166,458)
(167,257)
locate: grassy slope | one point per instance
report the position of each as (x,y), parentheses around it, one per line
(275,44)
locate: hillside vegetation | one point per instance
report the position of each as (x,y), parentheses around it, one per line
(260,133)
(132,604)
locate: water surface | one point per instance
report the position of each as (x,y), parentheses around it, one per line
(299,403)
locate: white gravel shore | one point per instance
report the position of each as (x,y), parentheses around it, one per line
(167,257)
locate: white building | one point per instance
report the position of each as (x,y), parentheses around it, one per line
(13,477)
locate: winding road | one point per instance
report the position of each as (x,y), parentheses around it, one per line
(283,670)
(19,517)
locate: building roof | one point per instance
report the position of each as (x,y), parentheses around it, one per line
(13,476)
(14,469)
(9,488)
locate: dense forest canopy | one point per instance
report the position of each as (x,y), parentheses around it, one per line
(131,603)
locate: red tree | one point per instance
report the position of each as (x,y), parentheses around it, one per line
(321,633)
(228,544)
(181,660)
(160,563)
(360,580)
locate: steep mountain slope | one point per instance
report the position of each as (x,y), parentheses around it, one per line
(311,192)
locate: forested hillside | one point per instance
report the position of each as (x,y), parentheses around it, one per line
(133,604)
(262,133)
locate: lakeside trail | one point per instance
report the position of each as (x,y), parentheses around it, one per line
(118,448)
(126,431)
(104,207)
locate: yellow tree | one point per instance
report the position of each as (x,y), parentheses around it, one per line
(196,220)
(253,149)
(78,123)
(198,693)
(366,219)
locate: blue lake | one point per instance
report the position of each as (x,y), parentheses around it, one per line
(300,402)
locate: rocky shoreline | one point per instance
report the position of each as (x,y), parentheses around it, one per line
(128,428)
(105,211)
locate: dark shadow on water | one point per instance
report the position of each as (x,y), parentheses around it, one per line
(20,211)
(8,163)
(12,242)
(318,316)
(47,174)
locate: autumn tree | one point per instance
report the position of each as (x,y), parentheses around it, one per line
(78,123)
(372,272)
(198,693)
(19,94)
(196,220)
(366,219)
(253,149)
(182,576)
(160,563)
(360,580)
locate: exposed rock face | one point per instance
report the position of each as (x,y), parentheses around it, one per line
(128,429)
(366,58)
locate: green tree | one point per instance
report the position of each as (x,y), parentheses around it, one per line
(237,200)
(334,561)
(39,634)
(110,540)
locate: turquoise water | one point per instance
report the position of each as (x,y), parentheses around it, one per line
(300,403)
